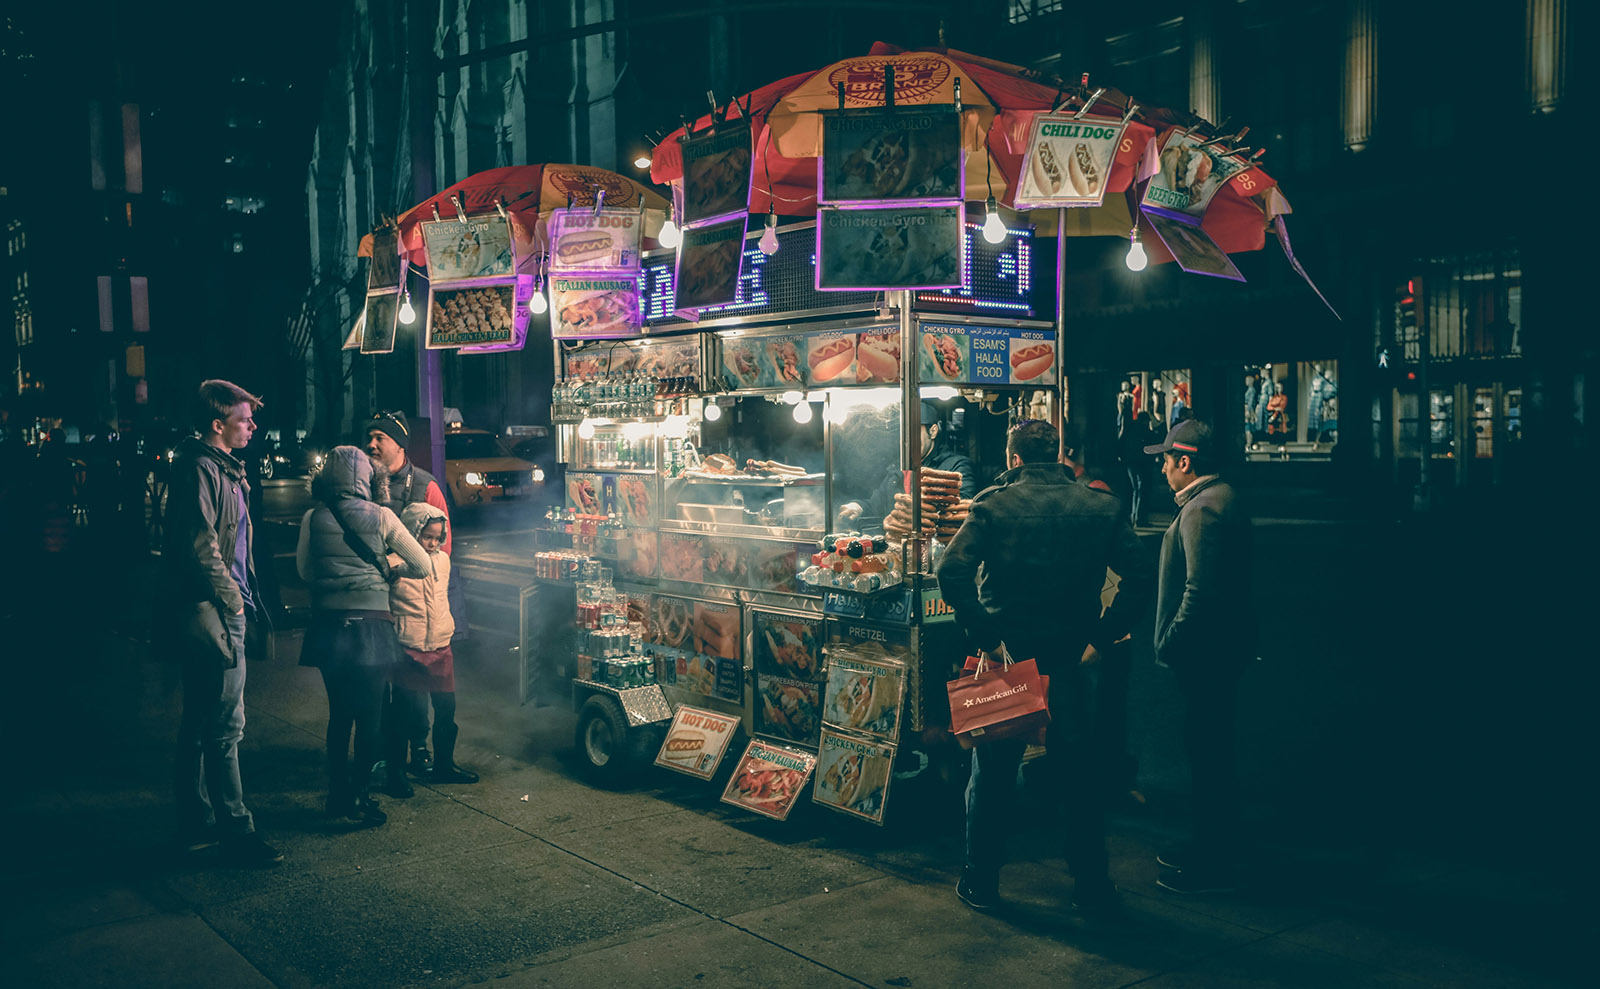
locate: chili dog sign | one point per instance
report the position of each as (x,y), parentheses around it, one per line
(1067,161)
(965,354)
(583,240)
(696,742)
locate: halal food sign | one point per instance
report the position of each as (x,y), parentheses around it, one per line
(1068,161)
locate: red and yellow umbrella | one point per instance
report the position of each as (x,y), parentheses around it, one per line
(527,193)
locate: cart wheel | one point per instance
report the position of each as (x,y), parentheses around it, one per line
(602,737)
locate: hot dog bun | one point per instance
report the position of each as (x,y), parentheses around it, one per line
(1032,361)
(1082,171)
(878,358)
(831,358)
(586,246)
(1048,174)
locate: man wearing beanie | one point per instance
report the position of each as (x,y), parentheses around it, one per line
(396,483)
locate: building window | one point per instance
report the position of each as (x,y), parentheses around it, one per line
(107,320)
(1022,11)
(139,291)
(1291,410)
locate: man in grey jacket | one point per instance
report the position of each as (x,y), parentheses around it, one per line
(1204,633)
(213,598)
(1025,572)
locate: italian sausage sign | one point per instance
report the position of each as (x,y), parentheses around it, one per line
(1067,161)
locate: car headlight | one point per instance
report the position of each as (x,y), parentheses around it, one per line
(472,477)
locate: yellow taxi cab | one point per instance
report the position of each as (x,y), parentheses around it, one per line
(478,471)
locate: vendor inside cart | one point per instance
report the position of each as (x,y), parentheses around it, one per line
(939,452)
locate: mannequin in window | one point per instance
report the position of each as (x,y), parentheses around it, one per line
(1180,403)
(1252,395)
(1138,395)
(1124,409)
(1156,405)
(1323,391)
(1263,398)
(1278,413)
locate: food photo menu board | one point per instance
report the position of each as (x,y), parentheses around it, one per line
(969,354)
(1192,247)
(716,172)
(1190,175)
(1067,161)
(853,775)
(595,306)
(378,325)
(903,154)
(769,778)
(710,259)
(464,250)
(586,240)
(696,742)
(883,249)
(479,314)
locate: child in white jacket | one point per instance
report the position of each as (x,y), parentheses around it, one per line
(421,609)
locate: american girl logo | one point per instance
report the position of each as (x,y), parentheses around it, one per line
(915,76)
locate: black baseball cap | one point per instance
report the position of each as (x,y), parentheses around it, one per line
(1188,436)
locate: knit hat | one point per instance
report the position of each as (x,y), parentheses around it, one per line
(391,424)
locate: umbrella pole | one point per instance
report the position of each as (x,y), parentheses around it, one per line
(1060,411)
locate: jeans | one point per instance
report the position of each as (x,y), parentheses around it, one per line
(406,725)
(206,771)
(1077,768)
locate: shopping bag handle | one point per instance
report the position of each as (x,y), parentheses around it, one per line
(984,663)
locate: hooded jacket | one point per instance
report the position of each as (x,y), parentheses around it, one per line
(202,538)
(422,607)
(1027,566)
(338,577)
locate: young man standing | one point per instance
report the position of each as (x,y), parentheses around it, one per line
(214,601)
(1204,632)
(1025,573)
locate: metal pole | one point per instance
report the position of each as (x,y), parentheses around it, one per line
(1060,412)
(911,424)
(419,120)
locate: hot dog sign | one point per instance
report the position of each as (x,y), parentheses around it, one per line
(1067,161)
(969,354)
(583,240)
(696,742)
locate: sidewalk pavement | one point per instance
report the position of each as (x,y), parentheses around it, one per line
(535,878)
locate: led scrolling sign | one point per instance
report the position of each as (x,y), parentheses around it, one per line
(997,280)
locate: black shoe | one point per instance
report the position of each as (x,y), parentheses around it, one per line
(199,840)
(1196,882)
(421,761)
(367,811)
(250,850)
(1174,858)
(453,774)
(398,788)
(978,894)
(1097,899)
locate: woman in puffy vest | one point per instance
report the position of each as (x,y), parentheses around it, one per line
(343,558)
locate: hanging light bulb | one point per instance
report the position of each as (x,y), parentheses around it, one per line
(643,161)
(669,235)
(1136,258)
(994,228)
(586,430)
(713,411)
(802,412)
(538,303)
(408,314)
(769,236)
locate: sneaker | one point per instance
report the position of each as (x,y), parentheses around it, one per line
(1097,899)
(453,774)
(250,850)
(978,895)
(421,761)
(367,811)
(1194,883)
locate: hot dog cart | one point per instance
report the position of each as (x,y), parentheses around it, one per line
(711,466)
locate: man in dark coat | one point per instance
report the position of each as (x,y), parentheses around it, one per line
(213,599)
(1204,632)
(1024,575)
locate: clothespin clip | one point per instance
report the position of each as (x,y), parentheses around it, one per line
(1258,154)
(461,214)
(958,94)
(1132,109)
(500,207)
(436,217)
(599,199)
(1093,97)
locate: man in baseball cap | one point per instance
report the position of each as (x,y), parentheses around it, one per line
(1205,634)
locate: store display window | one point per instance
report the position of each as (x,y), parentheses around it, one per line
(1291,410)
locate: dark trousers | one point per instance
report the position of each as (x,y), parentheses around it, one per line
(206,771)
(1137,515)
(406,725)
(1210,704)
(355,700)
(1077,770)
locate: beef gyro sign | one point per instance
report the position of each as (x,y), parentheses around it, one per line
(1067,161)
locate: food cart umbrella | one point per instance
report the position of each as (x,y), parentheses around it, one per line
(1000,101)
(528,193)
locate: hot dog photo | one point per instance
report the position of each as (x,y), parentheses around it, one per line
(878,357)
(1030,359)
(829,358)
(1068,161)
(696,741)
(708,266)
(583,239)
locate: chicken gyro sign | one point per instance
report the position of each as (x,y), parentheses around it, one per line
(1068,161)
